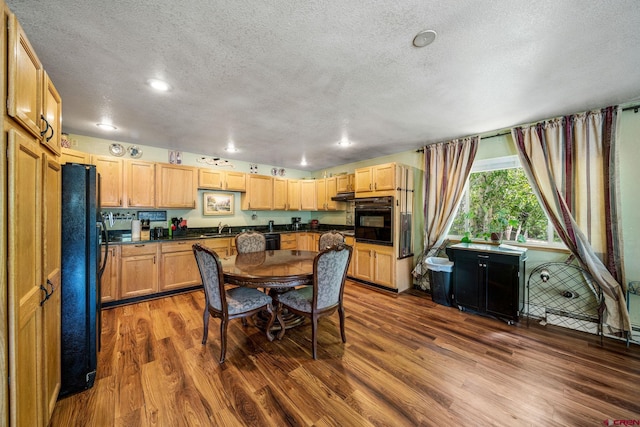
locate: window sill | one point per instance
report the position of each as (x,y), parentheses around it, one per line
(553,247)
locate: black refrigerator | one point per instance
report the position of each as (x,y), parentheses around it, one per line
(82,266)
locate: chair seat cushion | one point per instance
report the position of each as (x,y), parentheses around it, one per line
(300,299)
(240,300)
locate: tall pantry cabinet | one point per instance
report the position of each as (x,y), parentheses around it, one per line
(30,176)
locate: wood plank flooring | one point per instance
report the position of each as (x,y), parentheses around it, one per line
(407,362)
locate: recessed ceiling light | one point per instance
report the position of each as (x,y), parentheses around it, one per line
(303,162)
(424,38)
(106,126)
(158,85)
(231,148)
(344,142)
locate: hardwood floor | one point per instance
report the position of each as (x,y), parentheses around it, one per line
(413,363)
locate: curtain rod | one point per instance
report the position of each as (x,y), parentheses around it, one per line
(635,108)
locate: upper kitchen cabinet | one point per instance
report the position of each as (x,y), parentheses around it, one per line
(326,189)
(293,195)
(52,116)
(211,179)
(376,180)
(259,195)
(140,183)
(74,156)
(308,195)
(111,174)
(280,199)
(345,183)
(175,186)
(24,94)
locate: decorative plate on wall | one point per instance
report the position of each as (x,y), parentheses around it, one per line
(135,152)
(274,171)
(117,150)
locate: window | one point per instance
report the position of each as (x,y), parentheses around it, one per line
(499,203)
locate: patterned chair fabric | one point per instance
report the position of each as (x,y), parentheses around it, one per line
(330,238)
(250,241)
(234,303)
(326,294)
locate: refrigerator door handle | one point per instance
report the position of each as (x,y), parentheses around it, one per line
(102,262)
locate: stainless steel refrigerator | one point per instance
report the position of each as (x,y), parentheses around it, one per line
(82,266)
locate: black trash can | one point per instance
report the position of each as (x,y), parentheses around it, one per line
(440,270)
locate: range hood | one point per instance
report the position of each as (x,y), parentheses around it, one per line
(344,197)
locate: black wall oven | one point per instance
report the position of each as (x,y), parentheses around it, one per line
(374,220)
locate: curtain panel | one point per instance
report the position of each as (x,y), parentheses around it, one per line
(571,165)
(447,166)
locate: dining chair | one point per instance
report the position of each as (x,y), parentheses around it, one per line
(229,304)
(330,238)
(325,296)
(250,241)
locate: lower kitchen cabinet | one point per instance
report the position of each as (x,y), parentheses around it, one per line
(222,246)
(349,240)
(488,279)
(178,268)
(138,270)
(109,284)
(374,263)
(305,242)
(288,241)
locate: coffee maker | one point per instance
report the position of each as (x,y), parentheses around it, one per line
(295,222)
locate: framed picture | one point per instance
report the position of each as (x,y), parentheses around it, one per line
(217,203)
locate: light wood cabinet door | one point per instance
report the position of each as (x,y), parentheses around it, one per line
(304,242)
(74,156)
(363,180)
(332,191)
(293,195)
(288,241)
(383,266)
(211,179)
(223,246)
(259,195)
(52,112)
(344,183)
(321,194)
(308,195)
(363,268)
(138,270)
(384,177)
(111,179)
(175,186)
(141,184)
(25,346)
(24,88)
(51,256)
(280,194)
(350,241)
(236,181)
(178,267)
(110,282)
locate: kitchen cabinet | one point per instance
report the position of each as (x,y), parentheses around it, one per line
(138,270)
(175,186)
(375,180)
(74,156)
(488,279)
(140,183)
(280,194)
(288,241)
(25,74)
(305,242)
(110,283)
(259,194)
(211,179)
(111,180)
(178,268)
(374,263)
(326,189)
(308,198)
(52,112)
(350,240)
(221,245)
(51,267)
(293,195)
(23,249)
(345,183)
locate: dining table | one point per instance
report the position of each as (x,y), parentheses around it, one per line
(277,271)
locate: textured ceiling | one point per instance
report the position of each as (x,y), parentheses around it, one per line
(287,79)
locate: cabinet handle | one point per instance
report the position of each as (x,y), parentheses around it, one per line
(53,132)
(154,259)
(120,201)
(140,246)
(194,204)
(375,186)
(47,123)
(370,187)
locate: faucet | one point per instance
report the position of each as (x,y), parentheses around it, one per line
(221,227)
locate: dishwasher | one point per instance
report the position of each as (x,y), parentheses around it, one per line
(273,241)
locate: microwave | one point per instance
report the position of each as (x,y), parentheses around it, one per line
(374,220)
